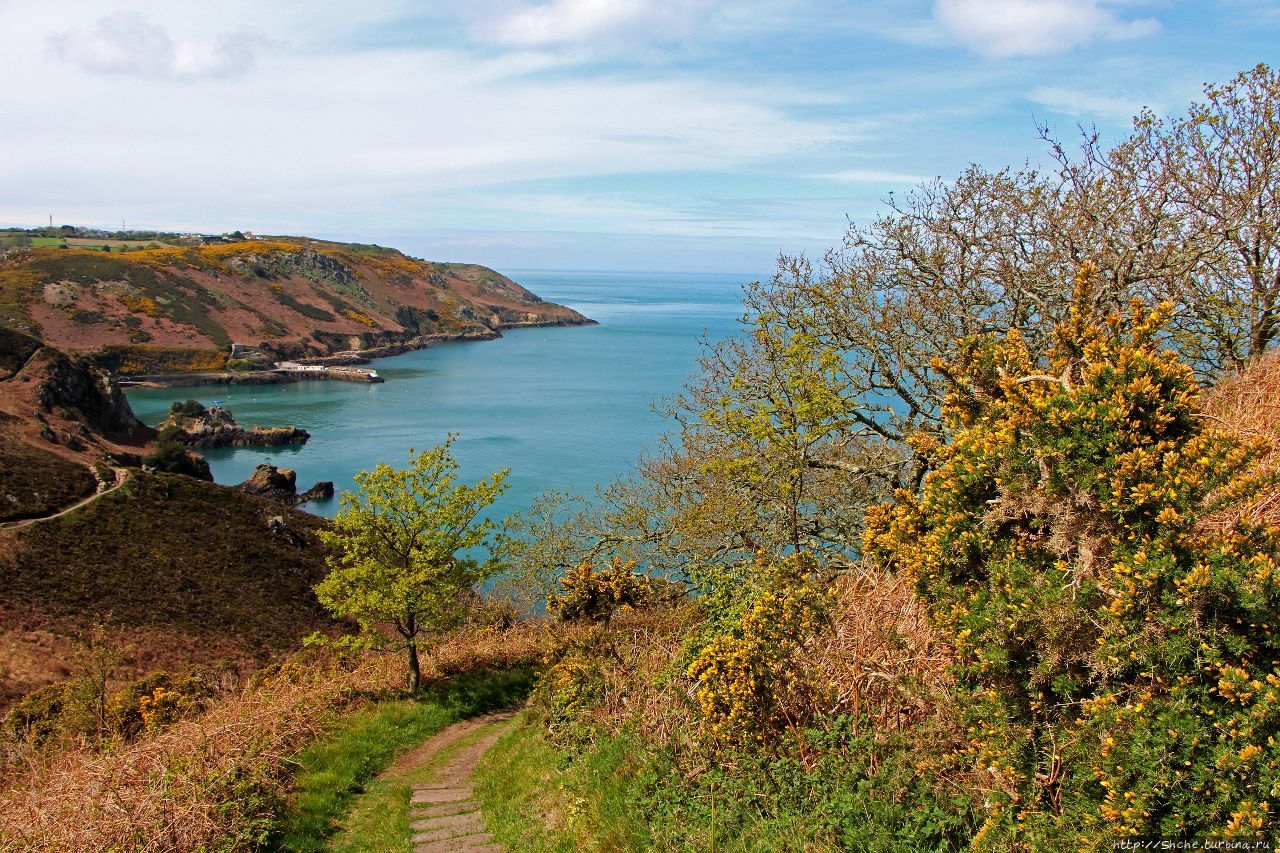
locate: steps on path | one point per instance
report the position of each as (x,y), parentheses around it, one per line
(442,814)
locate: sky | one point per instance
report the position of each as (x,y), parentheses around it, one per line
(690,135)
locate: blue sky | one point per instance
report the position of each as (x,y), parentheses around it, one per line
(600,134)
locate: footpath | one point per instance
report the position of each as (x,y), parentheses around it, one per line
(442,813)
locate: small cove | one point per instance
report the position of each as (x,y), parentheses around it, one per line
(564,408)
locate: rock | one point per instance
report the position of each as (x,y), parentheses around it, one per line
(78,385)
(321,491)
(217,427)
(268,481)
(281,484)
(277,527)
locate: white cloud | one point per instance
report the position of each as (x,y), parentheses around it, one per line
(1004,28)
(565,22)
(874,176)
(126,43)
(1088,105)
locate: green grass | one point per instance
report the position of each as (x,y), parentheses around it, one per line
(378,821)
(55,242)
(620,794)
(538,798)
(335,771)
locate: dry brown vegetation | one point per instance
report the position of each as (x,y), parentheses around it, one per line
(1250,404)
(192,784)
(876,658)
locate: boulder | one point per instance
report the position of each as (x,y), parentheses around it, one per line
(281,484)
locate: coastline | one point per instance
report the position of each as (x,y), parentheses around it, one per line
(338,361)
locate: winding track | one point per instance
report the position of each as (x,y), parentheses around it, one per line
(442,813)
(122,477)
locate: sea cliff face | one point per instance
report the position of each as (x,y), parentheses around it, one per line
(180,309)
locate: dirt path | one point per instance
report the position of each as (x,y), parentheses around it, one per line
(442,813)
(122,477)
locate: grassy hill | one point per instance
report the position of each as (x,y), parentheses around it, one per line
(178,308)
(182,570)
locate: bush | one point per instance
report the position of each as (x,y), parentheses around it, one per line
(189,409)
(1116,658)
(745,687)
(172,455)
(589,594)
(240,365)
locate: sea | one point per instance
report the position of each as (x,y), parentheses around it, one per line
(564,409)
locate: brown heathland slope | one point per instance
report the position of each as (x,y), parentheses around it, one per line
(179,308)
(185,572)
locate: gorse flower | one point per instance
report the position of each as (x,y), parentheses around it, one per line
(1117,654)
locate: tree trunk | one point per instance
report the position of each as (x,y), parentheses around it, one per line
(415,672)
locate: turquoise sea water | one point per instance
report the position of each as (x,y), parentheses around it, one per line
(563,408)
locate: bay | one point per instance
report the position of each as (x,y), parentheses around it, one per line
(563,408)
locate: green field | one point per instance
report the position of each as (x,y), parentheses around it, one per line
(8,239)
(116,245)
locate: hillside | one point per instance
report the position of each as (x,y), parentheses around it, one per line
(179,308)
(184,571)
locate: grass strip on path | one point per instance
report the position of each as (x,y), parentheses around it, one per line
(336,769)
(536,798)
(378,821)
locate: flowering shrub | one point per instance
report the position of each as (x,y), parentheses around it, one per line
(595,595)
(160,708)
(139,304)
(746,686)
(1116,657)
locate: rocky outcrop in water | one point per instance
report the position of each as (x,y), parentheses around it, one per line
(281,484)
(217,427)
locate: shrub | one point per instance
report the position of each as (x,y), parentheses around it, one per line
(154,701)
(139,304)
(240,365)
(132,359)
(172,455)
(745,686)
(589,594)
(1115,659)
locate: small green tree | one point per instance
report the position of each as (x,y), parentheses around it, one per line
(173,456)
(399,563)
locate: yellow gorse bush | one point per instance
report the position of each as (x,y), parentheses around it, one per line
(1117,657)
(595,594)
(745,685)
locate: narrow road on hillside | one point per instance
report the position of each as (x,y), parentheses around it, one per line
(122,477)
(443,816)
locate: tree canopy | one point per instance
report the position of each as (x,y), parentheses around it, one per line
(790,431)
(404,549)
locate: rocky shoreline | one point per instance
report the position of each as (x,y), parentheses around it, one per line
(339,359)
(281,485)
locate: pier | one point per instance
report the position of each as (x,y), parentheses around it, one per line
(345,373)
(284,371)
